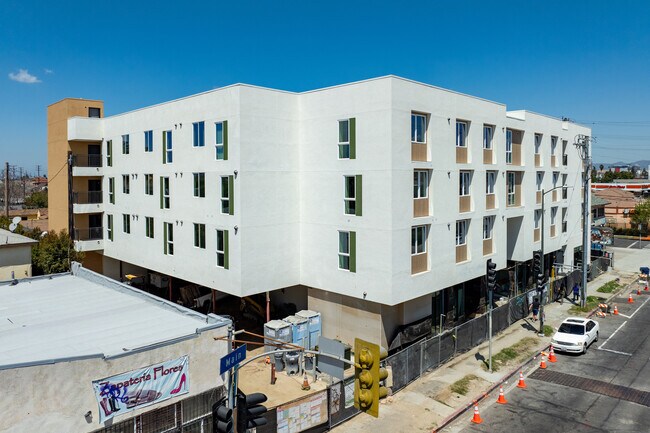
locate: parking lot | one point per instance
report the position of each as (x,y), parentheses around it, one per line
(608,389)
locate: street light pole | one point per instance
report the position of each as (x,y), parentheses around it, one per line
(541,289)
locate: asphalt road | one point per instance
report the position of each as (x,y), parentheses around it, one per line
(606,390)
(630,243)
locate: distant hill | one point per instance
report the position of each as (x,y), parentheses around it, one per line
(643,163)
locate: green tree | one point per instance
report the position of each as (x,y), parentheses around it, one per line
(38,199)
(54,253)
(641,214)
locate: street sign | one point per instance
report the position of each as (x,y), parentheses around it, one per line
(328,365)
(233,358)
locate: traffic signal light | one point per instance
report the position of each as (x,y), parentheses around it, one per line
(250,413)
(368,375)
(221,417)
(491,275)
(538,271)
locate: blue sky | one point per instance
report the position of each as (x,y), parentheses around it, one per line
(587,60)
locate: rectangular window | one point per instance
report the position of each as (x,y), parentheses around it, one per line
(165,193)
(126,184)
(125,144)
(227,192)
(553,144)
(461,232)
(148,141)
(168,238)
(540,180)
(490,181)
(198,129)
(564,221)
(488,134)
(465,183)
(111,190)
(488,225)
(508,146)
(221,140)
(347,138)
(420,184)
(109,227)
(418,128)
(148,184)
(109,153)
(461,133)
(199,235)
(352,195)
(344,250)
(511,189)
(418,240)
(565,190)
(538,218)
(94,112)
(222,249)
(167,147)
(148,222)
(538,143)
(126,223)
(556,177)
(199,184)
(553,215)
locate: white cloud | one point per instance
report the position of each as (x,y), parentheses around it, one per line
(48,71)
(23,76)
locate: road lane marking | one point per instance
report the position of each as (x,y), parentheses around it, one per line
(614,333)
(631,245)
(623,315)
(641,306)
(614,351)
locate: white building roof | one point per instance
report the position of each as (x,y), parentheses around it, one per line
(80,315)
(8,238)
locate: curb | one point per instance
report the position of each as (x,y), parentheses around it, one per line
(451,418)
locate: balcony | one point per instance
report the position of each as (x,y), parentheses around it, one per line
(461,253)
(537,234)
(488,247)
(538,197)
(538,160)
(419,151)
(87,165)
(465,203)
(90,239)
(553,161)
(87,202)
(419,263)
(488,156)
(461,155)
(85,129)
(420,207)
(490,201)
(553,231)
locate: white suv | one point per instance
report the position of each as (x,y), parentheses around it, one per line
(575,335)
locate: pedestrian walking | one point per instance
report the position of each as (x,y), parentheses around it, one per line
(562,293)
(535,307)
(576,292)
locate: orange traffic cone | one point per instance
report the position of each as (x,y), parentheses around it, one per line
(305,383)
(638,291)
(630,300)
(615,310)
(646,286)
(477,416)
(521,383)
(542,364)
(551,355)
(502,398)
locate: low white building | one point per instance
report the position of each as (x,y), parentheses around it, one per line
(376,203)
(15,255)
(80,350)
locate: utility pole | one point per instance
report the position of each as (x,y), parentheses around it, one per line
(7,189)
(583,144)
(38,171)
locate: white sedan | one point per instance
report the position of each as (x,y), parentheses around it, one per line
(575,335)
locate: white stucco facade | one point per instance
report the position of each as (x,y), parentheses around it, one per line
(289,188)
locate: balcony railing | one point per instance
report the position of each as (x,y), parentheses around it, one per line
(89,234)
(94,160)
(420,207)
(87,197)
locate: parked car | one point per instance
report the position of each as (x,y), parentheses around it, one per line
(575,335)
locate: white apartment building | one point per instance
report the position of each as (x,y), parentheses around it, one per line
(375,203)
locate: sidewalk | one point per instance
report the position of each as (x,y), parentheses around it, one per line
(421,399)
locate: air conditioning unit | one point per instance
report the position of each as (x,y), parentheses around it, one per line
(160,281)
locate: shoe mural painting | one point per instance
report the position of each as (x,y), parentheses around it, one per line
(122,393)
